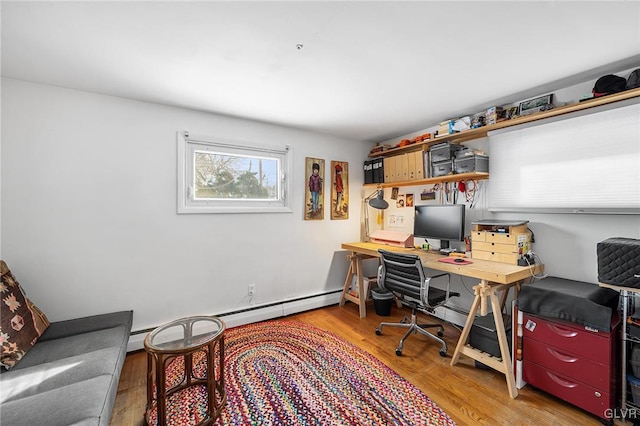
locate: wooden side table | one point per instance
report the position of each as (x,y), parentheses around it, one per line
(185,337)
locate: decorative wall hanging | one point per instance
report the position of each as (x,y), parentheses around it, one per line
(339,190)
(532,106)
(314,193)
(408,200)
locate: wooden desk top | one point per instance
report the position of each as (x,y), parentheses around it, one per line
(502,273)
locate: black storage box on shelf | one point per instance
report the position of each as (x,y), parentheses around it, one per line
(619,262)
(471,163)
(378,170)
(441,168)
(368,171)
(444,151)
(483,335)
(574,301)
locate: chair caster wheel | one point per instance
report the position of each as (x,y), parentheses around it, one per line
(378,331)
(399,352)
(443,354)
(440,333)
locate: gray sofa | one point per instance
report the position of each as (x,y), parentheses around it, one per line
(70,376)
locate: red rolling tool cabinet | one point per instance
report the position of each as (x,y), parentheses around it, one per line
(576,363)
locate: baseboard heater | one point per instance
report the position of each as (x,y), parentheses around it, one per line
(256,313)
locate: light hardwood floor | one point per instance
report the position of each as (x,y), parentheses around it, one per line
(468,394)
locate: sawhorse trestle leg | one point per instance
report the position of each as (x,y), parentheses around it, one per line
(484,292)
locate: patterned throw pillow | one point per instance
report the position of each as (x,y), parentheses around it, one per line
(21,322)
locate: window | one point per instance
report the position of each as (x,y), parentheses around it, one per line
(218,176)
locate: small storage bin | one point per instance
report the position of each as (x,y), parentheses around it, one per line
(444,151)
(634,386)
(382,301)
(441,168)
(483,335)
(471,163)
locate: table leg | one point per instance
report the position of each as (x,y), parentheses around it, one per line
(355,268)
(150,382)
(161,391)
(211,379)
(188,368)
(462,341)
(483,291)
(348,279)
(362,297)
(507,367)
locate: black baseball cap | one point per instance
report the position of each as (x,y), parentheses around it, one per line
(608,84)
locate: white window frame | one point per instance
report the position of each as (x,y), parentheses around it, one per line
(189,143)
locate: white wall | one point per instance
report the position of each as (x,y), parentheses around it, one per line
(89,221)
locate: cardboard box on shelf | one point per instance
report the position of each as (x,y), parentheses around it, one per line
(494,114)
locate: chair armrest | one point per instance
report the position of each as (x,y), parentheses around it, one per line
(425,288)
(381,278)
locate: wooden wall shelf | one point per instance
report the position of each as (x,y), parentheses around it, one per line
(432,180)
(481,132)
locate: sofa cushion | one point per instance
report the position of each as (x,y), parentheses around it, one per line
(24,382)
(82,325)
(21,322)
(86,402)
(51,350)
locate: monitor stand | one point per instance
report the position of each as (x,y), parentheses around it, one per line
(444,247)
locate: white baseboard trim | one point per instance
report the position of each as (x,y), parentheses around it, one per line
(249,316)
(308,304)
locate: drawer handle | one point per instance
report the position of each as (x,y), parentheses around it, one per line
(560,381)
(562,357)
(562,331)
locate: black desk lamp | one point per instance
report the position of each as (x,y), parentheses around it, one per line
(375,200)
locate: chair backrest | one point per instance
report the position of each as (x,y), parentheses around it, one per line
(402,273)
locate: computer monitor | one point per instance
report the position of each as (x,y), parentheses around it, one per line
(440,222)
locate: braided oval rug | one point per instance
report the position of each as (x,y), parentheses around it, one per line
(290,373)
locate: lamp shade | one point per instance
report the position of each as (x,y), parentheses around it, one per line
(379,202)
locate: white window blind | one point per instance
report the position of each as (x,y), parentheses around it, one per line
(585,164)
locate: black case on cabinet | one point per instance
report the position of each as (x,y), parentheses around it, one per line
(619,262)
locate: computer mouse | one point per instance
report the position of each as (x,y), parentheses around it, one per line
(458,260)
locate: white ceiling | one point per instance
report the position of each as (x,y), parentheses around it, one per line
(365,70)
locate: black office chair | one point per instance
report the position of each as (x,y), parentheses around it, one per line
(403,275)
